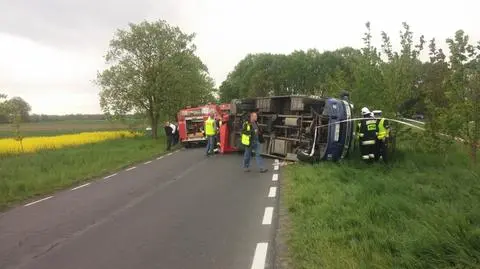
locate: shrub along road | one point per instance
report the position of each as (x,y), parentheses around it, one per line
(178,211)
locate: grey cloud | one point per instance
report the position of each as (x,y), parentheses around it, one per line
(73,23)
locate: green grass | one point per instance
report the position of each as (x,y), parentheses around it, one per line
(29,175)
(422,211)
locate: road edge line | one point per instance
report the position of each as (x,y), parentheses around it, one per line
(81,186)
(112,175)
(38,201)
(260,256)
(268,215)
(272,193)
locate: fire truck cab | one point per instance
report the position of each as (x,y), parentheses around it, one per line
(191,123)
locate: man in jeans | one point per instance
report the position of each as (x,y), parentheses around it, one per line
(250,139)
(210,132)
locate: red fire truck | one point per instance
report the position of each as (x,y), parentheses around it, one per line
(191,122)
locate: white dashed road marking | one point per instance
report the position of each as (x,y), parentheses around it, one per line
(131,168)
(112,175)
(169,153)
(275,177)
(147,162)
(267,216)
(38,201)
(81,186)
(275,167)
(260,256)
(159,158)
(272,192)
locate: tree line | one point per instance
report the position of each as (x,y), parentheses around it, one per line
(14,110)
(445,89)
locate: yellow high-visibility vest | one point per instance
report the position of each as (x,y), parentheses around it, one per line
(210,127)
(246,135)
(382,131)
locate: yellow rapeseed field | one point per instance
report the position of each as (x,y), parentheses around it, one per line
(34,144)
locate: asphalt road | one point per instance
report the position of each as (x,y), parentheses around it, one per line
(180,211)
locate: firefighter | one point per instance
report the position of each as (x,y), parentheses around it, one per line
(210,132)
(368,135)
(251,141)
(382,135)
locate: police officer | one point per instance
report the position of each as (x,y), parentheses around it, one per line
(367,133)
(210,132)
(382,135)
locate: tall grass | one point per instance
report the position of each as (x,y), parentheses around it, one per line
(422,211)
(28,175)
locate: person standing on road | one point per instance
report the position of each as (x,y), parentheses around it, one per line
(177,134)
(168,134)
(174,133)
(251,141)
(210,132)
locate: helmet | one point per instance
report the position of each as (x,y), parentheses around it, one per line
(344,94)
(365,111)
(377,113)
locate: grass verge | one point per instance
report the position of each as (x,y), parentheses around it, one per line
(419,212)
(29,175)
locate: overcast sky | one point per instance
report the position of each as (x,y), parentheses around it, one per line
(50,50)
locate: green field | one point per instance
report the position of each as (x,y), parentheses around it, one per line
(29,175)
(422,211)
(50,128)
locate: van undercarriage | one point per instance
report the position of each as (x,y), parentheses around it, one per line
(295,126)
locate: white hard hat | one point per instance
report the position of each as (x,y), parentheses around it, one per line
(365,111)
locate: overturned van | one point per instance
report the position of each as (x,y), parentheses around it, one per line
(306,128)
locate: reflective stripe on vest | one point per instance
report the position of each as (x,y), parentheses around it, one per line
(371,125)
(209,127)
(246,137)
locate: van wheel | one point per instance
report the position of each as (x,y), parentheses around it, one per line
(303,156)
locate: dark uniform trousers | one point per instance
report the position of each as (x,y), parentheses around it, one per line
(368,138)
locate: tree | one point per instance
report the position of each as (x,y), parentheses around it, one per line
(3,110)
(369,83)
(402,73)
(17,110)
(301,72)
(463,90)
(153,70)
(3,98)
